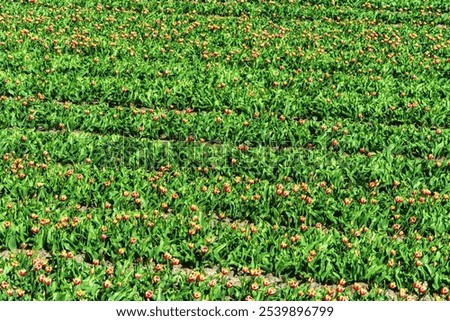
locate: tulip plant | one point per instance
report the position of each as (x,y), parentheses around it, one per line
(224,150)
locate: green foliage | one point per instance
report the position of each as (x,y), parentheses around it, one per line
(224,150)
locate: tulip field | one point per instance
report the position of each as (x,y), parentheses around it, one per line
(224,150)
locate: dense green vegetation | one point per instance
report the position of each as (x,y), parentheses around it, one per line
(224,150)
